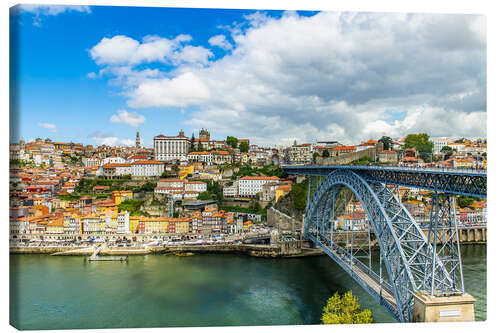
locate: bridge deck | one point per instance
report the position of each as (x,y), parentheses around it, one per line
(370,282)
(469,182)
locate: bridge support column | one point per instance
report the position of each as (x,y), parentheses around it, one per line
(429,308)
(444,243)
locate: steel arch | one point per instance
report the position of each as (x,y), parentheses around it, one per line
(403,244)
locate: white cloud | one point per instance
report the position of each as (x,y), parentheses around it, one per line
(329,76)
(220,41)
(48,10)
(127,142)
(49,126)
(129,118)
(109,139)
(91,75)
(122,50)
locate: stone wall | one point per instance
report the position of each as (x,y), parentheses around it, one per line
(275,218)
(348,158)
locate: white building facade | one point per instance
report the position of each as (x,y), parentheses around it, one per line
(171,148)
(143,169)
(250,186)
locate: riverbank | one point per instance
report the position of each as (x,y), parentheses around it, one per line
(263,251)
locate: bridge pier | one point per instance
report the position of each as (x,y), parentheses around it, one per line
(429,308)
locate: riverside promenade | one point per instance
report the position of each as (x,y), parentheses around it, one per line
(283,250)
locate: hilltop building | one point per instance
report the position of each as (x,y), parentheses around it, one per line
(171,148)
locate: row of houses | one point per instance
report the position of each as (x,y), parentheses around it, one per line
(180,188)
(110,222)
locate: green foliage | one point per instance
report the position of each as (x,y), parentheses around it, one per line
(250,210)
(69,197)
(86,185)
(446,149)
(191,145)
(232,141)
(244,147)
(147,187)
(315,156)
(387,141)
(17,164)
(128,177)
(255,206)
(363,161)
(213,192)
(421,143)
(205,196)
(465,201)
(299,195)
(268,170)
(132,206)
(325,154)
(345,310)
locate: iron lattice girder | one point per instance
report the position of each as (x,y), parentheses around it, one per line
(402,242)
(453,181)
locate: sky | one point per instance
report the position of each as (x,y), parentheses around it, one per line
(97,75)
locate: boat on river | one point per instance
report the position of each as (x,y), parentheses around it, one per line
(183,254)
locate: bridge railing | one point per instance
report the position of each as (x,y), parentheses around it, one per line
(471,171)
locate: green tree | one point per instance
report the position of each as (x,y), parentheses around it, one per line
(446,149)
(232,141)
(447,152)
(191,146)
(345,310)
(299,195)
(244,147)
(421,143)
(315,156)
(465,201)
(325,153)
(387,141)
(205,196)
(362,161)
(255,207)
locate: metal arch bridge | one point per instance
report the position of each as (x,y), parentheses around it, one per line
(412,259)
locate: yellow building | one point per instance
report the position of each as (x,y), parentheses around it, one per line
(184,171)
(55,226)
(154,225)
(120,196)
(134,223)
(281,191)
(93,224)
(182,226)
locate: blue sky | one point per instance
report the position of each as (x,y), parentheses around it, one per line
(99,74)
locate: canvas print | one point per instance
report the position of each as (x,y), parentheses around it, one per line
(187,167)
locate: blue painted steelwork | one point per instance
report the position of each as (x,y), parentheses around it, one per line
(403,245)
(469,182)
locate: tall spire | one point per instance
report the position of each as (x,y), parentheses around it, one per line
(138,140)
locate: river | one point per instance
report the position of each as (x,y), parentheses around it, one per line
(203,290)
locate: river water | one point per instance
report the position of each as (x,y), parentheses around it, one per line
(202,290)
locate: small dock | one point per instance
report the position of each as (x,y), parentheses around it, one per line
(95,256)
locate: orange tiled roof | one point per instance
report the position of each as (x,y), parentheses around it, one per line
(259,178)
